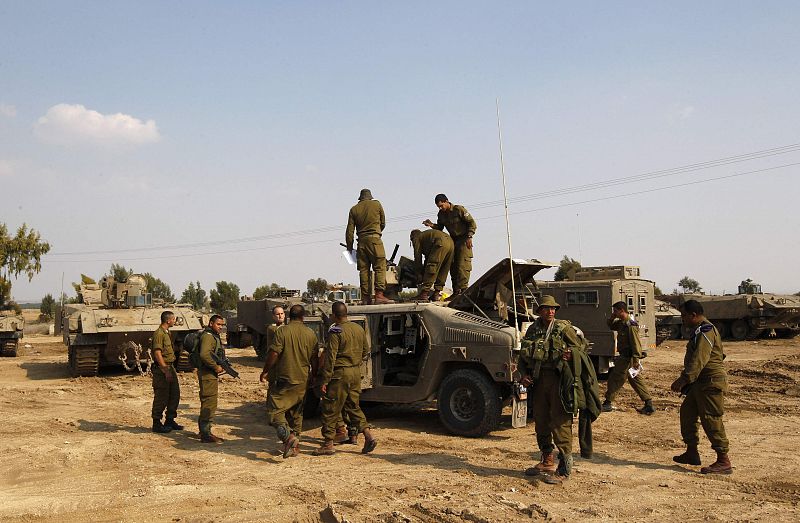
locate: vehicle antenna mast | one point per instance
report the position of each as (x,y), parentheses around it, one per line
(508,224)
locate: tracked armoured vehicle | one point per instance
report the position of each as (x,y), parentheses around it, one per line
(114,325)
(669,325)
(11,326)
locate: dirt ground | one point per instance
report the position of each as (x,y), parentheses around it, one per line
(81,449)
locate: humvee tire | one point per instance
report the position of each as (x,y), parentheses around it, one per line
(469,404)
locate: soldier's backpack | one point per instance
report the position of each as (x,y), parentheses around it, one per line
(191,344)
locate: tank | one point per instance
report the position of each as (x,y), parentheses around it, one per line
(114,325)
(11,326)
(669,325)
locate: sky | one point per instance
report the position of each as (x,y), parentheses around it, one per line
(207,141)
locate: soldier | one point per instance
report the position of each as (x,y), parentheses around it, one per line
(208,372)
(549,343)
(166,389)
(437,247)
(705,382)
(630,352)
(292,353)
(340,380)
(462,227)
(367,218)
(278,319)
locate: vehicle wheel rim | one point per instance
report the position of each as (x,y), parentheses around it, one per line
(463,404)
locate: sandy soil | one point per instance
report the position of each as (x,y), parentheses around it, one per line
(81,449)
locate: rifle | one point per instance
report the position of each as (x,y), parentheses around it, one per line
(225,363)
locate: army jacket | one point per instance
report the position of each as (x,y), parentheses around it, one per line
(628,343)
(162,342)
(704,354)
(534,348)
(366,218)
(429,243)
(295,345)
(209,343)
(271,329)
(347,347)
(458,222)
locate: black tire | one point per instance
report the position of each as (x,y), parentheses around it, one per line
(675,332)
(245,340)
(724,329)
(182,364)
(740,329)
(469,403)
(260,346)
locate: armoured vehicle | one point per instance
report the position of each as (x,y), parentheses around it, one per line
(586,301)
(114,325)
(11,326)
(669,325)
(252,319)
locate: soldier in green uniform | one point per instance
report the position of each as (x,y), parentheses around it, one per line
(630,352)
(208,372)
(705,382)
(547,346)
(292,354)
(340,380)
(462,227)
(166,389)
(437,248)
(367,219)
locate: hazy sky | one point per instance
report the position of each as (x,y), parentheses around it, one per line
(227,140)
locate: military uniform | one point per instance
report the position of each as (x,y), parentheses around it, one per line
(341,372)
(629,347)
(210,343)
(708,382)
(437,248)
(166,394)
(295,345)
(461,226)
(367,219)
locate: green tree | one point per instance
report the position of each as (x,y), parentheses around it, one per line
(119,272)
(657,291)
(689,285)
(273,290)
(158,288)
(317,288)
(194,295)
(48,306)
(19,254)
(566,268)
(224,297)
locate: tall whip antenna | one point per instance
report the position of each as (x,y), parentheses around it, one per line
(508,225)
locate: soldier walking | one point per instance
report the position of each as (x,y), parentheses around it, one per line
(340,381)
(292,354)
(166,389)
(208,372)
(462,227)
(630,352)
(367,219)
(705,382)
(437,248)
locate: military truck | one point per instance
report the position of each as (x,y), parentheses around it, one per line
(254,316)
(114,324)
(586,301)
(11,327)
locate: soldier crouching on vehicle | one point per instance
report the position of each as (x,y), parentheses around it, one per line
(166,389)
(704,382)
(208,372)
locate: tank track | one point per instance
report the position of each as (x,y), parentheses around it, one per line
(182,364)
(84,360)
(9,348)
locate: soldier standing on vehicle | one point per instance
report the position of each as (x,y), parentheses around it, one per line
(437,248)
(704,382)
(340,380)
(208,372)
(629,347)
(462,227)
(367,219)
(166,389)
(292,354)
(548,346)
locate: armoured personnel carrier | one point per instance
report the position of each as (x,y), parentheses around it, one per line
(669,325)
(114,325)
(11,326)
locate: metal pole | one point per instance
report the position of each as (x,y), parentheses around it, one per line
(508,225)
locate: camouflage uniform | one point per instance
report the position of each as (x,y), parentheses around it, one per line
(367,219)
(630,348)
(208,380)
(166,394)
(708,382)
(341,372)
(461,226)
(437,247)
(295,345)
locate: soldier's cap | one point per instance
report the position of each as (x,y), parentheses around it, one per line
(547,301)
(441,197)
(366,194)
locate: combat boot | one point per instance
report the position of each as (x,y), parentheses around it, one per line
(690,457)
(291,446)
(326,449)
(562,473)
(436,296)
(607,406)
(159,427)
(173,425)
(380,299)
(422,296)
(647,409)
(546,466)
(341,435)
(210,438)
(352,434)
(369,443)
(721,466)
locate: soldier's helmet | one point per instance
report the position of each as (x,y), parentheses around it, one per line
(548,301)
(366,194)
